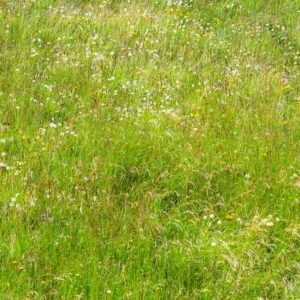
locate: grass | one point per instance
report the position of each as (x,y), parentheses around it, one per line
(149,149)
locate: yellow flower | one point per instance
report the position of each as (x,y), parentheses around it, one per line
(230,216)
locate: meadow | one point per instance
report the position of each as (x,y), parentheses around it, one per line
(150,149)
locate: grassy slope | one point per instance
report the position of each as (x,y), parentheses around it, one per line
(149,150)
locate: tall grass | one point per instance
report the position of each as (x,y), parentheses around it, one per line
(149,149)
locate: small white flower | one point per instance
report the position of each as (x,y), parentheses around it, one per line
(4,166)
(18,207)
(211,216)
(269,224)
(52,125)
(235,72)
(213,244)
(219,222)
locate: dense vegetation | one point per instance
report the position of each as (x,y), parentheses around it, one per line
(149,149)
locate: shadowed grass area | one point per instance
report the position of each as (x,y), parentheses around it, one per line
(149,149)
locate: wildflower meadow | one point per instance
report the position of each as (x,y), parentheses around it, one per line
(150,149)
